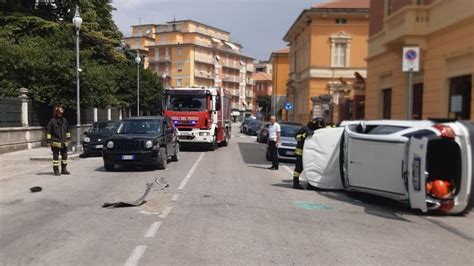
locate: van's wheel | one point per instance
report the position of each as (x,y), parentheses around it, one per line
(109,166)
(162,159)
(175,156)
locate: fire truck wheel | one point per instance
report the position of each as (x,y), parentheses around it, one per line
(175,156)
(213,145)
(162,159)
(225,142)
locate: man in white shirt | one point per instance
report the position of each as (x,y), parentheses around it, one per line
(273,139)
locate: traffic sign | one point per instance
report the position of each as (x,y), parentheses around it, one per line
(411,59)
(288,106)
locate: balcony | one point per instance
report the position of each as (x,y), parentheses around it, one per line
(160,59)
(234,79)
(235,106)
(203,74)
(250,68)
(204,60)
(233,65)
(235,92)
(409,25)
(249,94)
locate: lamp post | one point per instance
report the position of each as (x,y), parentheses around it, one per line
(138,60)
(77,21)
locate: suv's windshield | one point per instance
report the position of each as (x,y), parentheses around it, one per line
(140,127)
(104,127)
(289,131)
(187,103)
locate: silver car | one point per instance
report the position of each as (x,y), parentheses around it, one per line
(287,146)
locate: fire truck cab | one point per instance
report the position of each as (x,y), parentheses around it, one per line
(201,115)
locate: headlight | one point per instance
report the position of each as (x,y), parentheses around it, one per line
(87,139)
(203,133)
(149,144)
(110,144)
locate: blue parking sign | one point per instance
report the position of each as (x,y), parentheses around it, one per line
(288,106)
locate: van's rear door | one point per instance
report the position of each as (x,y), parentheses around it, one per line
(416,173)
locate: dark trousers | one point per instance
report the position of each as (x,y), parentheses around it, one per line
(273,153)
(56,152)
(298,167)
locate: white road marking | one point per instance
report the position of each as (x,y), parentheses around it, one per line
(153,229)
(175,197)
(190,173)
(150,213)
(136,255)
(165,213)
(288,169)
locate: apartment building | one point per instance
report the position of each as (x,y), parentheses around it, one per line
(189,53)
(264,66)
(443,87)
(328,47)
(280,69)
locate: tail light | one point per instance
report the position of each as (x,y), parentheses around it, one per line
(446,131)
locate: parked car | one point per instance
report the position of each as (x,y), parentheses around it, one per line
(244,125)
(252,127)
(262,134)
(142,141)
(287,146)
(94,139)
(427,164)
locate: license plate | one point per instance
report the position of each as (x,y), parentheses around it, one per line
(185,133)
(99,146)
(128,157)
(292,153)
(416,174)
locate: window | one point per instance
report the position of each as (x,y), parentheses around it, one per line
(386,103)
(389,7)
(339,55)
(180,67)
(417,101)
(260,87)
(341,21)
(419,2)
(179,51)
(179,82)
(460,97)
(167,51)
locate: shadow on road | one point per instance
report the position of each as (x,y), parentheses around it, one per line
(252,153)
(126,169)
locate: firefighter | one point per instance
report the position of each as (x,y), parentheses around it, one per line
(59,137)
(300,137)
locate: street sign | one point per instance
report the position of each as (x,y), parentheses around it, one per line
(288,106)
(411,59)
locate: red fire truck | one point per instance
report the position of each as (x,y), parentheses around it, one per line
(201,115)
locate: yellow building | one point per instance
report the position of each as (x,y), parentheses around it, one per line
(188,53)
(444,32)
(280,68)
(328,47)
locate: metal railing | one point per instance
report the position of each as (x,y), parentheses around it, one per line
(203,74)
(10,112)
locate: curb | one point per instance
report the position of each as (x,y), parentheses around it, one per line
(49,157)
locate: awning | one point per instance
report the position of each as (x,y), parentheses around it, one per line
(216,40)
(235,113)
(233,46)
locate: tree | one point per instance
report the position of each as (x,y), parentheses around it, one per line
(265,103)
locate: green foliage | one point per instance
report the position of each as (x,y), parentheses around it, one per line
(37,51)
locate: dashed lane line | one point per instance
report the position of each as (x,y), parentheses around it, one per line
(154,227)
(165,213)
(175,197)
(136,255)
(190,173)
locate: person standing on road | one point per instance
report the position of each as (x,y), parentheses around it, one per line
(300,137)
(274,131)
(58,137)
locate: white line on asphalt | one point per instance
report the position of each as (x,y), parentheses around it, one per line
(153,229)
(165,213)
(137,253)
(175,197)
(190,173)
(288,169)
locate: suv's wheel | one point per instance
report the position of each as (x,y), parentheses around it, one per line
(162,159)
(175,156)
(109,166)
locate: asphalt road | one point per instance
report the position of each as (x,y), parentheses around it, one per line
(222,207)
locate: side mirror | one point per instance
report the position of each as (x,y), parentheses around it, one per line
(86,133)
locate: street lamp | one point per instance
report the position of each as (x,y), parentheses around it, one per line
(138,60)
(77,21)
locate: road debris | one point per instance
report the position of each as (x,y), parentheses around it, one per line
(136,203)
(36,189)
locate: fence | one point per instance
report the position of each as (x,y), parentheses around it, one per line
(10,112)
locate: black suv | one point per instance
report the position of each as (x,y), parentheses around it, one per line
(142,141)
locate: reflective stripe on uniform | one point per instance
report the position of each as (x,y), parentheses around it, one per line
(300,136)
(55,163)
(63,161)
(68,134)
(55,144)
(298,151)
(48,136)
(296,174)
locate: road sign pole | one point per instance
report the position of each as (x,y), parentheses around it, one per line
(410,96)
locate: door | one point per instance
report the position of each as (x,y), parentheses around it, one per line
(417,173)
(375,163)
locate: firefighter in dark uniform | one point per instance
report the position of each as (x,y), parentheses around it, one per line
(59,137)
(300,137)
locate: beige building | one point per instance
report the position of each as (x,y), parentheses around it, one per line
(188,53)
(444,32)
(328,47)
(280,70)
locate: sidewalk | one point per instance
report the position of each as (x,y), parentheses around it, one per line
(20,162)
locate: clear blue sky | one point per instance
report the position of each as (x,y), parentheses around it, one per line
(259,25)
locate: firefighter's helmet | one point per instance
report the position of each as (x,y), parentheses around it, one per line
(316,123)
(58,110)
